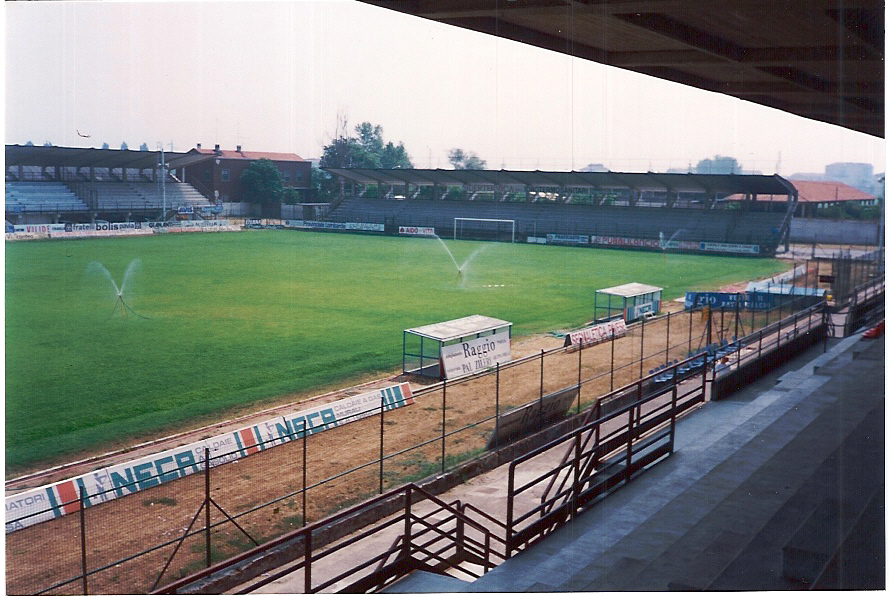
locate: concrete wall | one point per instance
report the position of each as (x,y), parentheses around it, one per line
(834,231)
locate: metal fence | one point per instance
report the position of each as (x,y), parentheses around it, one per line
(171,529)
(618,437)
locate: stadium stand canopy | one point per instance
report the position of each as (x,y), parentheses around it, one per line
(820,59)
(79,157)
(699,183)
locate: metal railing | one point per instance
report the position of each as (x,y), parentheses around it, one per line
(450,423)
(434,540)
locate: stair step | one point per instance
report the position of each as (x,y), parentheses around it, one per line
(424,582)
(689,506)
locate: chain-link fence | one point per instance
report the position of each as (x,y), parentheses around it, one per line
(186,516)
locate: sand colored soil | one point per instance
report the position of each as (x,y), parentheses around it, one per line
(342,466)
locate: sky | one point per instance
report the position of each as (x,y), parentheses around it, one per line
(280,76)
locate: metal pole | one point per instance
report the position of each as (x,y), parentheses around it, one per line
(642,345)
(580,349)
(207,503)
(497,404)
(612,367)
(307,558)
(303,429)
(443,426)
(381,444)
(541,396)
(667,347)
(83,539)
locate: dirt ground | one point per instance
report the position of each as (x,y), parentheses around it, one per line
(266,491)
(349,454)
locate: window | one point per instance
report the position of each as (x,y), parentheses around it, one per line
(224,175)
(299,176)
(286,176)
(206,175)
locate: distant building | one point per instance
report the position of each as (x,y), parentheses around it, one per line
(857,175)
(814,195)
(219,174)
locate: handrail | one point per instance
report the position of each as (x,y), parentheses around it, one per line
(407,549)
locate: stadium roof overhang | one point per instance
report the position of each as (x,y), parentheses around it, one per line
(74,157)
(672,183)
(820,59)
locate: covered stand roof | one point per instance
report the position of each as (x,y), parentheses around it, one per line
(458,328)
(74,157)
(630,290)
(820,59)
(711,183)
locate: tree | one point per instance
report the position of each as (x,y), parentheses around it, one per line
(719,165)
(124,146)
(261,183)
(366,149)
(465,160)
(143,147)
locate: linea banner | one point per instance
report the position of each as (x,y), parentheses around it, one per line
(99,486)
(597,333)
(475,355)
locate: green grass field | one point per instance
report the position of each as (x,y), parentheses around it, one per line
(237,319)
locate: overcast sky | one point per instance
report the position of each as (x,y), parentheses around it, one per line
(274,76)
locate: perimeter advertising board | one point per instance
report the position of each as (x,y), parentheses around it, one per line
(414,231)
(747,300)
(476,355)
(61,498)
(597,333)
(530,417)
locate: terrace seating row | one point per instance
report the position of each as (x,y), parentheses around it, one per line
(708,356)
(127,196)
(39,197)
(543,218)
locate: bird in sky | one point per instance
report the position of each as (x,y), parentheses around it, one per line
(83,135)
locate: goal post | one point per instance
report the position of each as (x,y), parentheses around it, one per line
(476,228)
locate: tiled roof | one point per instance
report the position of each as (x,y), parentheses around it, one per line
(229,154)
(810,191)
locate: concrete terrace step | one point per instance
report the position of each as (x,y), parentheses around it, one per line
(424,582)
(706,439)
(700,518)
(699,556)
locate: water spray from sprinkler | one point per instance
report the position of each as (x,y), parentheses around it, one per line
(119,291)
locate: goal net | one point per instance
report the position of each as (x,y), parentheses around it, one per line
(473,228)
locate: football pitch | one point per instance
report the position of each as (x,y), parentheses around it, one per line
(112,341)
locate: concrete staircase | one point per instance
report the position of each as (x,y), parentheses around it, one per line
(766,490)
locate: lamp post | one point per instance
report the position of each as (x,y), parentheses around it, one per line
(163,168)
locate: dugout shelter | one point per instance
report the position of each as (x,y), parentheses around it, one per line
(631,301)
(422,346)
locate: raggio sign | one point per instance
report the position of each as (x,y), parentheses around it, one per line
(476,355)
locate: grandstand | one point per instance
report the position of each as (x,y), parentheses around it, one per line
(71,185)
(656,211)
(41,197)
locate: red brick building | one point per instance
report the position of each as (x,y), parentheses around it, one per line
(219,174)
